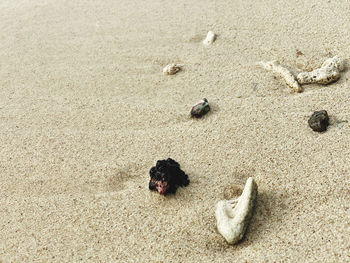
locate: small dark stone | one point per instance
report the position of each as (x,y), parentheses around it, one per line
(167,176)
(200,109)
(319,121)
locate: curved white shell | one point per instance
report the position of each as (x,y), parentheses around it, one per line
(172,69)
(232,216)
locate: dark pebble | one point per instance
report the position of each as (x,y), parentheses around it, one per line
(200,109)
(319,121)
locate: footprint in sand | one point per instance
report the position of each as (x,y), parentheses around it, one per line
(118,177)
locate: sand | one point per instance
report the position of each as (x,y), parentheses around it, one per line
(85,112)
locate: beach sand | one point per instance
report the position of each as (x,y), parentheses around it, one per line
(85,112)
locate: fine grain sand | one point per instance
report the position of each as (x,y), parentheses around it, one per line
(85,112)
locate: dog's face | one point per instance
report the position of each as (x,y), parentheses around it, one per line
(160,185)
(167,176)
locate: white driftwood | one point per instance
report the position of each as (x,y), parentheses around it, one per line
(210,38)
(275,66)
(233,216)
(327,73)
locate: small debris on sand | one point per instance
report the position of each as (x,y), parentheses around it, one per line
(327,73)
(210,38)
(200,109)
(167,176)
(172,69)
(275,66)
(319,121)
(233,216)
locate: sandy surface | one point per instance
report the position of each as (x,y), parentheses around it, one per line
(85,112)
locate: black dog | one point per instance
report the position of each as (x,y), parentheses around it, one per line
(167,176)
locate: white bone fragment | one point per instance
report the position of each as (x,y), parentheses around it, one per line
(210,38)
(172,69)
(282,71)
(327,73)
(233,216)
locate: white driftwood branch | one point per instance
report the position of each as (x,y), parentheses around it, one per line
(327,73)
(275,66)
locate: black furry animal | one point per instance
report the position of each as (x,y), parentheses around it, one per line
(167,176)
